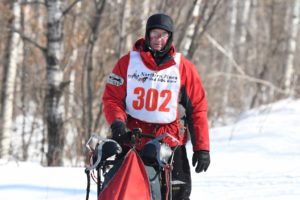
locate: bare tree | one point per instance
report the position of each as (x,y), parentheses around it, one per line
(145,13)
(25,143)
(193,11)
(244,26)
(10,71)
(54,96)
(125,39)
(232,34)
(190,29)
(289,75)
(71,149)
(87,119)
(198,32)
(268,35)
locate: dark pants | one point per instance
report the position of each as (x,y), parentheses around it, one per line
(181,175)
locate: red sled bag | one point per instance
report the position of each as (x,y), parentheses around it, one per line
(129,182)
(129,174)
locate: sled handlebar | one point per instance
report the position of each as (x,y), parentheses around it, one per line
(136,133)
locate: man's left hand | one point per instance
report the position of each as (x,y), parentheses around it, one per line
(202,160)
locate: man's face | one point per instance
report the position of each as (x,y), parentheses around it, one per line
(158,38)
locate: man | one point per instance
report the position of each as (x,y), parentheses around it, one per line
(146,90)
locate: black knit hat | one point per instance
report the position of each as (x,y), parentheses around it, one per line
(159,20)
(164,22)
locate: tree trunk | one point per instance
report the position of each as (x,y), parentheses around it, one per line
(242,50)
(206,16)
(87,120)
(25,143)
(290,76)
(232,35)
(192,29)
(54,97)
(10,71)
(243,27)
(145,14)
(187,23)
(71,149)
(124,37)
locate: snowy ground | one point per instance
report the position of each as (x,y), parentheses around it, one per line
(258,158)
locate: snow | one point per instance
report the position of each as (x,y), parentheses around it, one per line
(258,157)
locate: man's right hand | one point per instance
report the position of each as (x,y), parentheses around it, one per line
(119,134)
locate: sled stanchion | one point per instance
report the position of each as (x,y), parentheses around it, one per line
(88,183)
(99,182)
(170,172)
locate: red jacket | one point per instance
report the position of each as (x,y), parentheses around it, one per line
(192,98)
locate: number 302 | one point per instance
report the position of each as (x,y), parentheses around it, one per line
(149,99)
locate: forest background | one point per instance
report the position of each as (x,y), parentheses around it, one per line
(55,56)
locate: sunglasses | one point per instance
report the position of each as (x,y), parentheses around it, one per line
(156,34)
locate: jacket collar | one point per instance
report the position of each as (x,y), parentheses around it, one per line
(148,59)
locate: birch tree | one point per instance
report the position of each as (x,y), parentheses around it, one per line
(125,39)
(191,26)
(10,71)
(54,97)
(145,14)
(289,75)
(243,27)
(182,35)
(231,45)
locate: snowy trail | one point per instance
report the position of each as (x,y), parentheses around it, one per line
(256,158)
(271,180)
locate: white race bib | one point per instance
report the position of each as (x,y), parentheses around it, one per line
(152,96)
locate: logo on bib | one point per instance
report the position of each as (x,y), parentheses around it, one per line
(154,77)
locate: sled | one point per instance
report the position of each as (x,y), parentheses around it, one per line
(124,173)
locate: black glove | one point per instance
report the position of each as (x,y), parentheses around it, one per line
(202,158)
(119,134)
